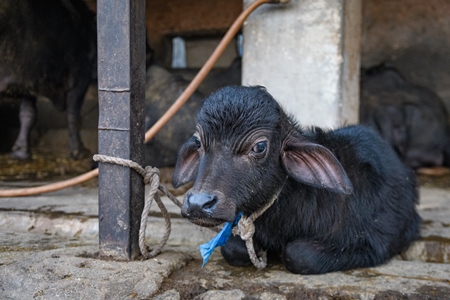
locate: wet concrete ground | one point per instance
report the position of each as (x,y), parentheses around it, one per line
(49,246)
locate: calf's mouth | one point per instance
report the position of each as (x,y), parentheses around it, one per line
(205,222)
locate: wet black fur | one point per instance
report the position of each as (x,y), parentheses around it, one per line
(356,208)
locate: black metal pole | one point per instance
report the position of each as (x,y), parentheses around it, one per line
(121,93)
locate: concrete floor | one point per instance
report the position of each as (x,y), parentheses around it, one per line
(49,246)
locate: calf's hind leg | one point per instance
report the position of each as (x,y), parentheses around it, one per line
(309,257)
(74,103)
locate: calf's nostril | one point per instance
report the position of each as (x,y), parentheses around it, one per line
(201,203)
(210,204)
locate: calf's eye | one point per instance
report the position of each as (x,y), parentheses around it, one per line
(197,142)
(260,147)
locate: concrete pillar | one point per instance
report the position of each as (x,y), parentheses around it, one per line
(306,53)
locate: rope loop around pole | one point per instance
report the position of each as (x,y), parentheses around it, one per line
(150,177)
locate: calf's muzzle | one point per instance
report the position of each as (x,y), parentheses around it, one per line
(199,205)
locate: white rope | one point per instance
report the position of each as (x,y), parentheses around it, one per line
(246,229)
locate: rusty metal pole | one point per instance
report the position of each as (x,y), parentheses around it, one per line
(121,93)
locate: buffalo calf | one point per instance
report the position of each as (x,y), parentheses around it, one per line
(345,200)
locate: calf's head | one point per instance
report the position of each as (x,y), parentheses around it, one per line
(241,154)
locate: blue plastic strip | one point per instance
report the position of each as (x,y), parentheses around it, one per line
(219,240)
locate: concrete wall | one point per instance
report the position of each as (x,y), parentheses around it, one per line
(307,55)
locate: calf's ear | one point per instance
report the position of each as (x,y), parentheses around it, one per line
(187,164)
(315,165)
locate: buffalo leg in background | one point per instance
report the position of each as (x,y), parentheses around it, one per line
(74,102)
(27,116)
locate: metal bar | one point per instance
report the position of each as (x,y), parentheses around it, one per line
(121,93)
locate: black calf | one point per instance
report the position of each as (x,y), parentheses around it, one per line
(345,199)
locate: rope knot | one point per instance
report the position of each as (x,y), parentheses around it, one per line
(245,228)
(151,175)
